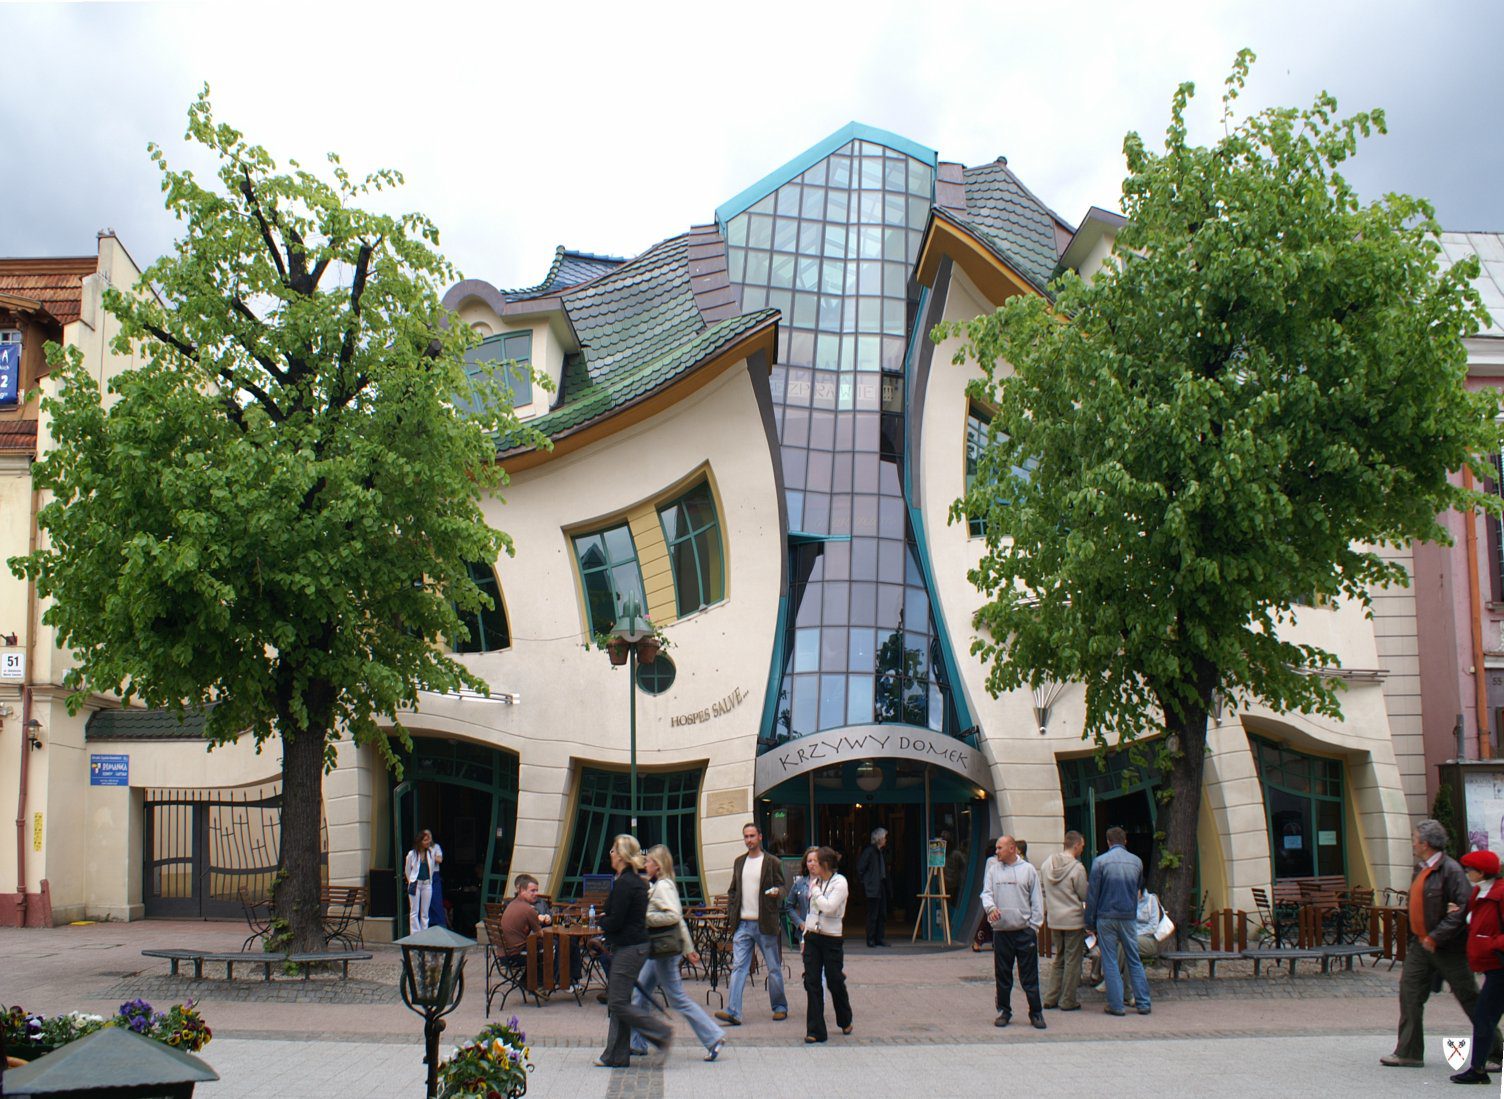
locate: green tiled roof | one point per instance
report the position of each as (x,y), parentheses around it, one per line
(652,366)
(1014,223)
(138,724)
(640,327)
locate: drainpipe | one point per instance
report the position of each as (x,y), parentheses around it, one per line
(24,769)
(1475,621)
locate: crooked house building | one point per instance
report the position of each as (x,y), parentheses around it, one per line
(755,440)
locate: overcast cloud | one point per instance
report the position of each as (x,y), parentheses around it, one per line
(607,127)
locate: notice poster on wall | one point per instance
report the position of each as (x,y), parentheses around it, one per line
(1483,796)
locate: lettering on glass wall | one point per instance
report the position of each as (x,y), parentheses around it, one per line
(719,708)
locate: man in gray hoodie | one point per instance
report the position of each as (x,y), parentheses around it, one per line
(1015,909)
(1064,881)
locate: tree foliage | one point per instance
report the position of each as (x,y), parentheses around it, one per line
(1262,389)
(274,513)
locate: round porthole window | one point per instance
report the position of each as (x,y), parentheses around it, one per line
(657,677)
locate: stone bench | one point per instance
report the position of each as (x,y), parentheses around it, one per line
(1289,955)
(230,959)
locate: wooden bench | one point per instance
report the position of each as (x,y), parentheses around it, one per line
(265,959)
(1290,955)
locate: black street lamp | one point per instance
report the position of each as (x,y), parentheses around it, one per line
(433,983)
(633,632)
(111,1062)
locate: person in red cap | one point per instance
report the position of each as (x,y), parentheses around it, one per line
(1437,949)
(1485,939)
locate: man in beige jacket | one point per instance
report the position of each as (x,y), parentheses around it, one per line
(1064,881)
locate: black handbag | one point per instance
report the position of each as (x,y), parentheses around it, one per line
(663,942)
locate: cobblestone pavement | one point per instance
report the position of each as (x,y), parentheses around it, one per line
(920,1010)
(1334,1066)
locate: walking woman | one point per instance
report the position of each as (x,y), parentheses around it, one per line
(665,913)
(1485,938)
(823,945)
(625,925)
(797,902)
(419,871)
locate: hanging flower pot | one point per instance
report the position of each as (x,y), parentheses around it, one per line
(647,650)
(616,648)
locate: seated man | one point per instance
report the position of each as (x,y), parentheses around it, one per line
(520,919)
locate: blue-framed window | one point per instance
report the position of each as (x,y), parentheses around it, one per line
(695,550)
(667,813)
(610,575)
(487,627)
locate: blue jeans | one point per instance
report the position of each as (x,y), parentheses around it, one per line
(746,935)
(1112,936)
(665,972)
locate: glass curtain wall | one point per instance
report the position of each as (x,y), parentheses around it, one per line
(833,249)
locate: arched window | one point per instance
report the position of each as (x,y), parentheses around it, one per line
(487,626)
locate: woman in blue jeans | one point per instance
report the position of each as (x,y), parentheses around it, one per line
(664,910)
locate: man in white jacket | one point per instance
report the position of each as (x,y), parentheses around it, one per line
(1063,879)
(1015,909)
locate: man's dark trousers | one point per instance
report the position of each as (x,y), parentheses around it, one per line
(877,918)
(1022,948)
(1421,969)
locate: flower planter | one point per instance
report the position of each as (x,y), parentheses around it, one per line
(647,650)
(617,651)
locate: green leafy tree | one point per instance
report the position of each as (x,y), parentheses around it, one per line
(1267,390)
(274,513)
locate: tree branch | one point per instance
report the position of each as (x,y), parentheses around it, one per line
(265,361)
(261,395)
(249,191)
(187,350)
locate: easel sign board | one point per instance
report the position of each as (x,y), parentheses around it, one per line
(937,855)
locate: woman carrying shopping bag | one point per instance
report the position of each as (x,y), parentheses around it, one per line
(668,941)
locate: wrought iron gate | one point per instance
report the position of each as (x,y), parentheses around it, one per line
(203,848)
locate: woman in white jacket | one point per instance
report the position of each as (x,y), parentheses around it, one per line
(418,871)
(664,910)
(823,946)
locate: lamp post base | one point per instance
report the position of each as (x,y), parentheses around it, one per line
(432,1028)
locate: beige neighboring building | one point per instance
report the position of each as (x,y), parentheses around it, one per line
(753,439)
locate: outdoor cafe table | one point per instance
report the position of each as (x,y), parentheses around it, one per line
(707,929)
(548,968)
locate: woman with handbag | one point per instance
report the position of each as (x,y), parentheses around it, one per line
(421,867)
(823,946)
(625,925)
(668,941)
(1152,926)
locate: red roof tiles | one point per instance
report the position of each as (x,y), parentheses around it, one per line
(18,435)
(56,283)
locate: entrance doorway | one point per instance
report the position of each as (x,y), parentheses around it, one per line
(1121,795)
(466,795)
(203,849)
(840,806)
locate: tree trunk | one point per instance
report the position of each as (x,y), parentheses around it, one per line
(1178,819)
(295,899)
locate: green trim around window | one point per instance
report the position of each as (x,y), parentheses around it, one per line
(978,429)
(667,813)
(692,532)
(610,575)
(513,348)
(1305,805)
(488,627)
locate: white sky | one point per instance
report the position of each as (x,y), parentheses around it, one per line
(607,127)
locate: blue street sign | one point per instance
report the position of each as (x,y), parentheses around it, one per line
(109,770)
(10,373)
